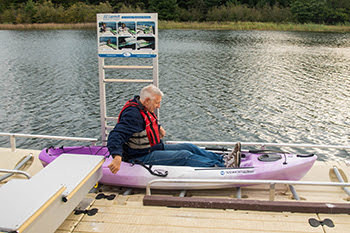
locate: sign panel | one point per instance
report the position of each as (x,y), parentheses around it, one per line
(127,35)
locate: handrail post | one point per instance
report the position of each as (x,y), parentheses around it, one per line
(148,188)
(294,192)
(239,193)
(340,178)
(13,142)
(272,191)
(262,147)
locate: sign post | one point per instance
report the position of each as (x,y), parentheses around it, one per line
(125,36)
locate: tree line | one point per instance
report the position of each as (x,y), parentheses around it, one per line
(84,11)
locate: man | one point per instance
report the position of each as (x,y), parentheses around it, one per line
(137,136)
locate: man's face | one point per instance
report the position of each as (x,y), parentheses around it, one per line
(152,104)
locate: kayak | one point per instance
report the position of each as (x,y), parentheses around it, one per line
(113,46)
(255,165)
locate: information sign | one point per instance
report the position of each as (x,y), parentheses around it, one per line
(127,35)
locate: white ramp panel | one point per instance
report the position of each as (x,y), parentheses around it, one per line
(20,203)
(42,203)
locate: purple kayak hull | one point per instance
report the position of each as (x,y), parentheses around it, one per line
(254,166)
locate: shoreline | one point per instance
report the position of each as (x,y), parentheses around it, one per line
(194,26)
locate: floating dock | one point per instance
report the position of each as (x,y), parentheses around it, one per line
(117,209)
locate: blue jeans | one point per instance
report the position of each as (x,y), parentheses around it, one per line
(183,155)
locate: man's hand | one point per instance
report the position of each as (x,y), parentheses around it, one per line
(114,166)
(161,132)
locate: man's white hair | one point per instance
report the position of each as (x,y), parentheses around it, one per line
(150,91)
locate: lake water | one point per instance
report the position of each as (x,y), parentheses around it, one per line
(261,86)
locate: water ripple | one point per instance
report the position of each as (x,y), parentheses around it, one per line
(290,87)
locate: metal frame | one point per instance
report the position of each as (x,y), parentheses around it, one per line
(271,183)
(103,81)
(340,178)
(14,135)
(261,144)
(10,171)
(17,168)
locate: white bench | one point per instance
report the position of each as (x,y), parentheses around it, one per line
(43,202)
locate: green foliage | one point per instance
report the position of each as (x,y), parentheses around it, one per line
(104,8)
(166,9)
(236,13)
(8,15)
(80,13)
(46,12)
(307,11)
(130,9)
(276,14)
(30,10)
(315,11)
(192,14)
(83,11)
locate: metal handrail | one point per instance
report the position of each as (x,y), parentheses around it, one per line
(14,135)
(16,172)
(18,167)
(261,144)
(272,183)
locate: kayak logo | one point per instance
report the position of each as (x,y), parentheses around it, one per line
(237,171)
(127,54)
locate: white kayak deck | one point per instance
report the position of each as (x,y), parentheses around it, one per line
(126,213)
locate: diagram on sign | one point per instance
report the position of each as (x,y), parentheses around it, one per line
(121,33)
